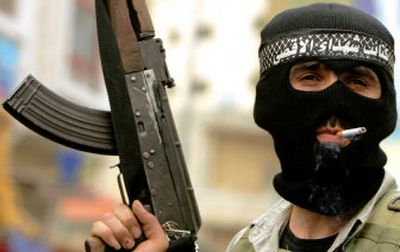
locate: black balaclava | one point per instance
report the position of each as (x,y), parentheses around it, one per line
(324,178)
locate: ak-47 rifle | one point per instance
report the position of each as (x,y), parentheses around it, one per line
(139,129)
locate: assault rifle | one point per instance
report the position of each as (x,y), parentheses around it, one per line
(139,129)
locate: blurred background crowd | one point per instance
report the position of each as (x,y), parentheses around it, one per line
(50,195)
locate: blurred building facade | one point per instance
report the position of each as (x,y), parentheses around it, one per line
(46,187)
(212,55)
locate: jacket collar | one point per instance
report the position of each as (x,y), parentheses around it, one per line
(267,228)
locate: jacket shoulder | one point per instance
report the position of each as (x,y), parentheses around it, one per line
(240,242)
(381,232)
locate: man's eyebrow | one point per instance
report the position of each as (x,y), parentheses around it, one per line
(363,71)
(312,65)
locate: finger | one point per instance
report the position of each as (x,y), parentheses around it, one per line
(128,219)
(156,238)
(121,233)
(150,224)
(94,244)
(101,230)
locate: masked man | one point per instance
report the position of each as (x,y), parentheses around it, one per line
(326,95)
(326,68)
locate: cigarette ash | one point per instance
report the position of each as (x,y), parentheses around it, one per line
(327,199)
(325,154)
(326,191)
(356,138)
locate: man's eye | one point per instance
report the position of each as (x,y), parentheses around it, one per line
(310,77)
(358,82)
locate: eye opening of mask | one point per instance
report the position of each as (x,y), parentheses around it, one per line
(318,75)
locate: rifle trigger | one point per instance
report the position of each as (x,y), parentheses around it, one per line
(172,230)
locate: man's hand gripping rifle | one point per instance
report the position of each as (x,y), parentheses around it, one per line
(139,129)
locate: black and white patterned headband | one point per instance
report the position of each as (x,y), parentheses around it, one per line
(326,45)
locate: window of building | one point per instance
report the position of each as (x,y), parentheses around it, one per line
(84,58)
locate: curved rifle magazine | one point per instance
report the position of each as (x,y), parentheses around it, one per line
(60,120)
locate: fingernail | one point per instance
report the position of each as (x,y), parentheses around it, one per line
(117,246)
(128,244)
(139,204)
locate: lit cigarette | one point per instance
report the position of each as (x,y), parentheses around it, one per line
(352,132)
